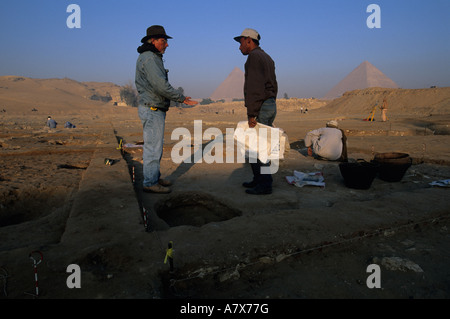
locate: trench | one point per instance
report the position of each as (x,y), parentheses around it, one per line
(187,208)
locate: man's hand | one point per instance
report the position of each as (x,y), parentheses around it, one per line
(252,122)
(190,102)
(310,151)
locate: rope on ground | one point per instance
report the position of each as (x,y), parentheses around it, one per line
(316,248)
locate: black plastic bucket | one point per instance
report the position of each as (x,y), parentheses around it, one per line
(359,175)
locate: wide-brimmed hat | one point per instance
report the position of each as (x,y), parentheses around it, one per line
(248,33)
(155,31)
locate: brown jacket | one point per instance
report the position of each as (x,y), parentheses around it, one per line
(260,81)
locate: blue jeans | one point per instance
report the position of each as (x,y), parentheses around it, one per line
(266,116)
(268,112)
(153,123)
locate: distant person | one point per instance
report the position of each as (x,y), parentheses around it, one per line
(155,94)
(301,110)
(260,92)
(328,143)
(51,122)
(384,108)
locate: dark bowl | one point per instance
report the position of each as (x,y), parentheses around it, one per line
(393,166)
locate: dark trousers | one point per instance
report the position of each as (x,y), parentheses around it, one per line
(266,116)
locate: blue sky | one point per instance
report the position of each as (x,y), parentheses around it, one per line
(314,44)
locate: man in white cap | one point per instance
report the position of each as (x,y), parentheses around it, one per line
(260,93)
(328,143)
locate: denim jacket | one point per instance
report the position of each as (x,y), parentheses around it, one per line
(152,82)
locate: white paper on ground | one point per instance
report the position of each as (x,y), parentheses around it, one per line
(301,179)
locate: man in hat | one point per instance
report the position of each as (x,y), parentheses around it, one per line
(260,93)
(155,94)
(327,143)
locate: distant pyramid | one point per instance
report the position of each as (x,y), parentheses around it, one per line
(364,76)
(231,88)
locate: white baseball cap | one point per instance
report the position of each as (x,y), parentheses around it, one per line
(248,33)
(332,123)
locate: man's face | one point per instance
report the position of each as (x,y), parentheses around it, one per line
(160,44)
(245,46)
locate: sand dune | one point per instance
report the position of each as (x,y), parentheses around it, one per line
(401,101)
(21,95)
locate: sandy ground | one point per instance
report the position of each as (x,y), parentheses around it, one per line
(58,197)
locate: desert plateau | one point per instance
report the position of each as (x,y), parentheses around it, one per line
(61,202)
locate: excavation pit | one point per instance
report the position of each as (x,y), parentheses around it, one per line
(194,209)
(31,204)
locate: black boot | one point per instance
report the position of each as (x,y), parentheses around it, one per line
(259,190)
(251,184)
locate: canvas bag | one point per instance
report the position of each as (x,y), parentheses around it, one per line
(262,142)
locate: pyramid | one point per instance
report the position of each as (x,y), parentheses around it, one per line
(231,88)
(364,76)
